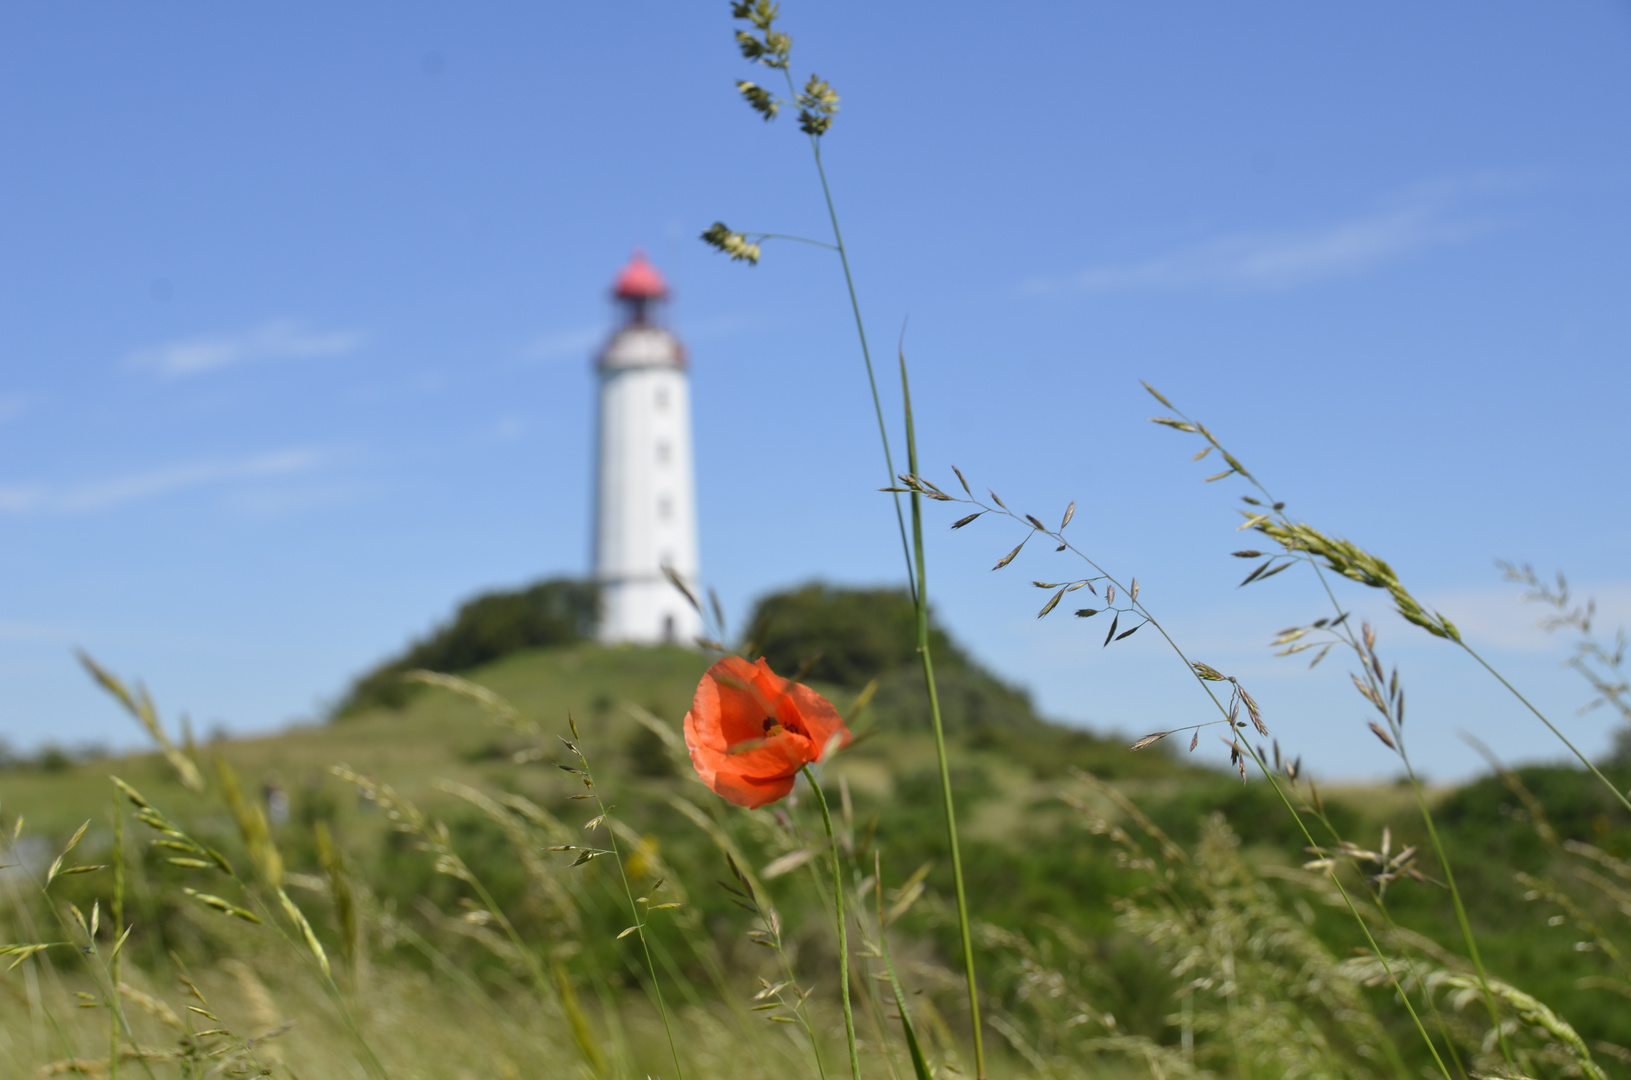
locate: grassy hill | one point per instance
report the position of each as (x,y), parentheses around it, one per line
(434,734)
(1048,874)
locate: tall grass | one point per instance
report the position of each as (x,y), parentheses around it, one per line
(185,932)
(762,43)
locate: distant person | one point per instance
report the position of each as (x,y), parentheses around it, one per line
(276,800)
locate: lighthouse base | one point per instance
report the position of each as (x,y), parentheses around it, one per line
(648,611)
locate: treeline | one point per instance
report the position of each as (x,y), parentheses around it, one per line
(51,757)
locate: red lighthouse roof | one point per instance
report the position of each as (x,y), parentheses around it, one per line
(639,280)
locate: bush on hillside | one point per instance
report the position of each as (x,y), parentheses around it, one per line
(843,636)
(1486,815)
(560,611)
(848,637)
(972,700)
(1619,756)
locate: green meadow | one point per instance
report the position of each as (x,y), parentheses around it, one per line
(1135,911)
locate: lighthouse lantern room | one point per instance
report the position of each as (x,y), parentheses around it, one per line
(645,493)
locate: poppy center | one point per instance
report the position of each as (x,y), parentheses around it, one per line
(772,727)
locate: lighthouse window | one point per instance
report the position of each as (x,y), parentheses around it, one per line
(665,508)
(662,450)
(662,397)
(668,628)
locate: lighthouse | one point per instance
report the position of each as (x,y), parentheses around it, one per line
(645,489)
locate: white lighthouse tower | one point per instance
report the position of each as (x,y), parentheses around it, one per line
(645,492)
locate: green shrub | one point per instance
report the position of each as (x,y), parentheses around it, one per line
(560,611)
(843,636)
(849,637)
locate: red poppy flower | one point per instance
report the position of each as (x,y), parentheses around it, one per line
(750,731)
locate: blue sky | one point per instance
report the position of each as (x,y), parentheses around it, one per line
(297,306)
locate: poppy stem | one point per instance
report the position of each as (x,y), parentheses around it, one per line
(843,923)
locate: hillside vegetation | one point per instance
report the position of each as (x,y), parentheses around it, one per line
(559,611)
(1063,861)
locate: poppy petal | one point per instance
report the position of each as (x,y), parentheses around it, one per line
(750,731)
(819,720)
(752,793)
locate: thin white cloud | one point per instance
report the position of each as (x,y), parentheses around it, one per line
(20,498)
(1498,617)
(508,429)
(279,339)
(1493,616)
(268,502)
(566,343)
(33,632)
(1283,259)
(138,487)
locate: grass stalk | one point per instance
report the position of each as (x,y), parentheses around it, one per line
(115,1014)
(1379,900)
(1359,919)
(916,582)
(628,893)
(1469,939)
(1564,739)
(843,924)
(915,485)
(921,596)
(1467,936)
(753,898)
(860,331)
(773,50)
(1363,648)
